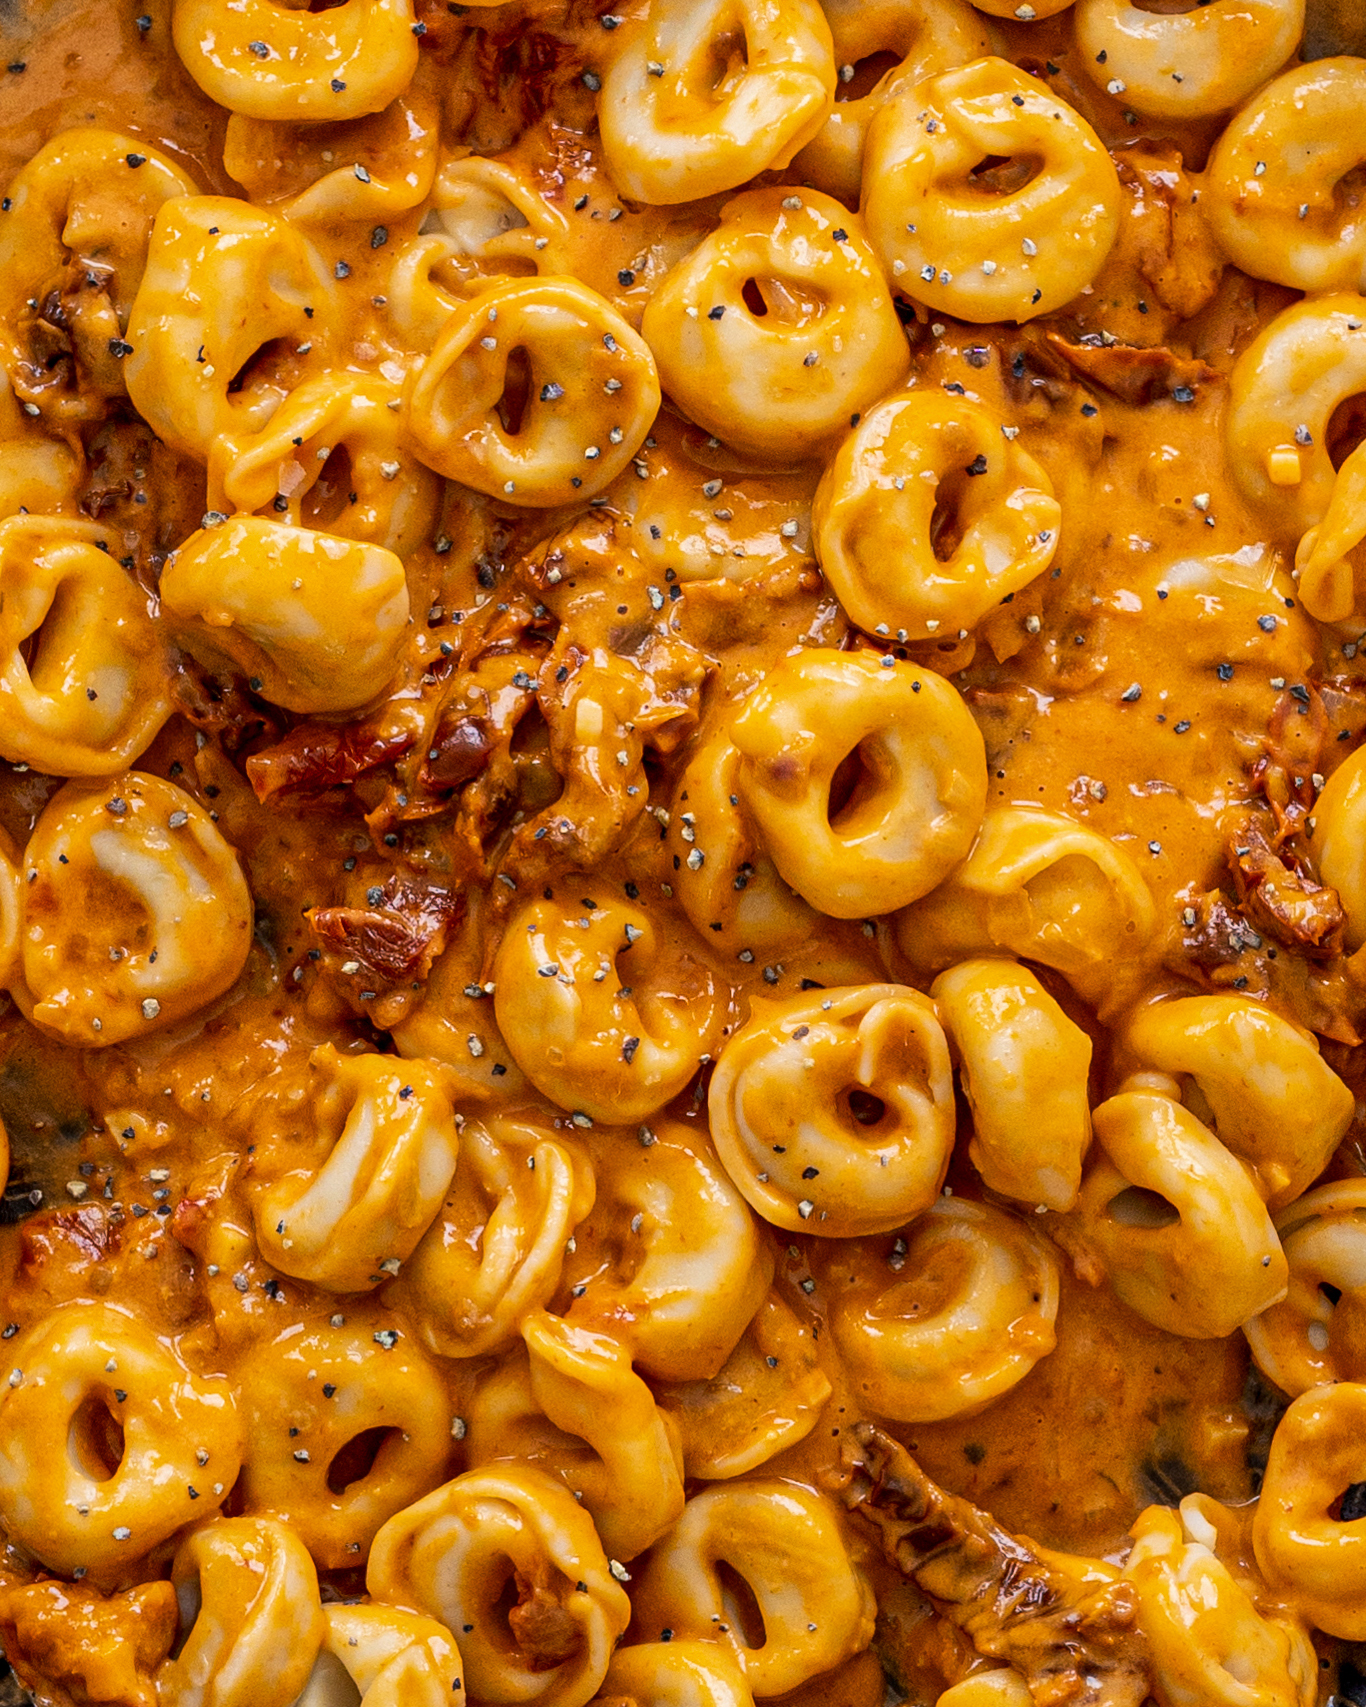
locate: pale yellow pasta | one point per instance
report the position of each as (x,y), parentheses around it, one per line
(83,676)
(224,280)
(673,130)
(945,1318)
(916,457)
(1211,1644)
(250,1617)
(498,222)
(39,474)
(108,1442)
(1258,1080)
(676,1674)
(924,36)
(679,1286)
(135,911)
(1307,1549)
(89,197)
(495,1251)
(1025,1068)
(1324,562)
(1317,1333)
(343,1426)
(330,457)
(783,1540)
(453,1555)
(1183,65)
(736,886)
(381,1656)
(1282,394)
(765,1397)
(601,1012)
(778,326)
(961,247)
(314,621)
(11,912)
(915,805)
(1040,885)
(591,392)
(271,59)
(1003,1687)
(834,1112)
(574,1407)
(1339,840)
(388,1139)
(1174,1221)
(1270,189)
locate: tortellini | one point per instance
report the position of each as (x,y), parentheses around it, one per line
(1317,1333)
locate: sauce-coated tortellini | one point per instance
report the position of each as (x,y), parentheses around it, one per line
(676,1674)
(1340,842)
(1025,1067)
(135,911)
(602,1013)
(382,1656)
(1174,1221)
(108,1442)
(784,1542)
(946,1317)
(834,1112)
(907,816)
(314,621)
(1259,1080)
(672,130)
(913,460)
(1317,1333)
(778,326)
(453,1554)
(959,245)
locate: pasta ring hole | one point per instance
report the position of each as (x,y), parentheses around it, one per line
(726,62)
(790,303)
(1330,1292)
(329,495)
(1168,8)
(95,1437)
(862,1107)
(353,1462)
(539,1627)
(189,1597)
(943,1281)
(1004,174)
(1350,1506)
(1346,428)
(512,405)
(274,353)
(946,523)
(860,778)
(741,1610)
(867,74)
(1136,1206)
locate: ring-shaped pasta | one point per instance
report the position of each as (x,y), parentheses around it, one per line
(223,281)
(834,1112)
(917,457)
(735,893)
(77,221)
(785,1543)
(925,37)
(330,458)
(342,1427)
(1186,65)
(676,1674)
(1326,557)
(956,244)
(1025,1068)
(920,789)
(576,1389)
(679,1286)
(38,473)
(1307,1550)
(1003,1687)
(315,622)
(1211,1645)
(765,1397)
(1270,192)
(591,392)
(454,1555)
(778,326)
(1175,1222)
(391,1148)
(83,674)
(386,1657)
(947,1317)
(11,918)
(108,1443)
(1282,394)
(498,221)
(1042,886)
(672,130)
(1317,1333)
(496,1250)
(253,1626)
(601,1012)
(1266,1091)
(135,911)
(269,59)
